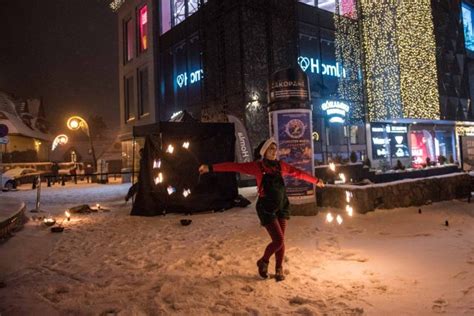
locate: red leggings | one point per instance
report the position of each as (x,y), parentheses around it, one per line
(276,230)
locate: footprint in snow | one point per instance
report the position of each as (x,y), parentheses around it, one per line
(439,305)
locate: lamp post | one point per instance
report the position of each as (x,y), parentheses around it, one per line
(61,139)
(76,122)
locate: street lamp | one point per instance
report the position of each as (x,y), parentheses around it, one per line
(61,139)
(76,122)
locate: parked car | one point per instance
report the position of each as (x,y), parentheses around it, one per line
(14,177)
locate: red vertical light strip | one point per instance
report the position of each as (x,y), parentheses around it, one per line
(348,8)
(143,23)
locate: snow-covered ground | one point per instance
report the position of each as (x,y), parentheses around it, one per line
(388,262)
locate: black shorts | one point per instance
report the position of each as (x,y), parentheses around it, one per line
(268,211)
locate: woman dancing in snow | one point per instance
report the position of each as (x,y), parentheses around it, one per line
(272,205)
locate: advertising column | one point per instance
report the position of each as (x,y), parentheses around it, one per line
(290,119)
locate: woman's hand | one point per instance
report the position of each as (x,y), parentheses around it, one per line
(203,169)
(320,184)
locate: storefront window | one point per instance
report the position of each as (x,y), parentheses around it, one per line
(131,157)
(431,143)
(389,141)
(422,147)
(143,28)
(444,144)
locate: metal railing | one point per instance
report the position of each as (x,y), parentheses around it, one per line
(89,177)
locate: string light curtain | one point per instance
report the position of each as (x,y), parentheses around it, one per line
(417,55)
(400,61)
(382,76)
(348,54)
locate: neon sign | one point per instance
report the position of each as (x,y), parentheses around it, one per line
(314,66)
(336,111)
(182,80)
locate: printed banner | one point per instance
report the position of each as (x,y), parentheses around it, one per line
(295,147)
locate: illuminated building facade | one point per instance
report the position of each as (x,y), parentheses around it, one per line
(377,88)
(416,80)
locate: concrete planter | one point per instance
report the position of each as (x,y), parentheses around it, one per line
(404,193)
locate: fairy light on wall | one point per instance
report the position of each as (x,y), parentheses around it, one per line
(116,4)
(381,61)
(416,45)
(348,53)
(400,61)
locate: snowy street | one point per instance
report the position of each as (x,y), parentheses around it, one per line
(388,262)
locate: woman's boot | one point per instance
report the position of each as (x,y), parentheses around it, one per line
(279,276)
(262,268)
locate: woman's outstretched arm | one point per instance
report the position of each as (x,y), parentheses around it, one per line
(289,170)
(250,168)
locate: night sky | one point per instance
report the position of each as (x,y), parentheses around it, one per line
(63,51)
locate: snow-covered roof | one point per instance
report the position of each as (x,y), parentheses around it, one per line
(7,104)
(14,112)
(17,127)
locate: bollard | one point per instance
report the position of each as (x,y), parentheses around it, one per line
(49,181)
(38,196)
(63,182)
(75,179)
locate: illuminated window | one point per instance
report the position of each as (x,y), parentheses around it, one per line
(193,6)
(128,40)
(422,146)
(354,134)
(174,12)
(143,28)
(468,22)
(179,11)
(346,7)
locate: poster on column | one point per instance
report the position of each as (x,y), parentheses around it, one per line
(295,147)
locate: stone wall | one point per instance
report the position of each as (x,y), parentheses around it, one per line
(404,193)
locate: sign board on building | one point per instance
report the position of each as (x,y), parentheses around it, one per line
(289,85)
(313,65)
(336,111)
(389,140)
(183,79)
